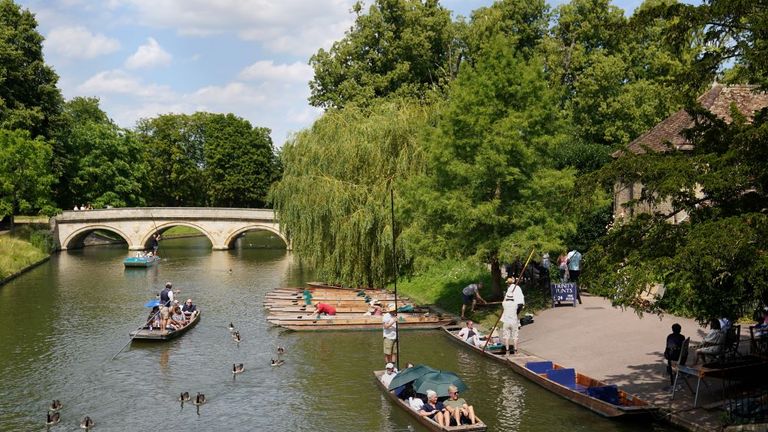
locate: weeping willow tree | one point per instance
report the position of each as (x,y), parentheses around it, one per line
(333,199)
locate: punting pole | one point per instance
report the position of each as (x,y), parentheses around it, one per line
(488,339)
(136,333)
(394,267)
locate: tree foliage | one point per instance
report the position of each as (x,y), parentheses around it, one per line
(333,198)
(487,191)
(25,176)
(29,98)
(103,164)
(398,48)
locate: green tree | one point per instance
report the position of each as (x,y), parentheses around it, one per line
(333,198)
(174,149)
(487,190)
(240,161)
(523,22)
(104,163)
(29,98)
(25,177)
(399,47)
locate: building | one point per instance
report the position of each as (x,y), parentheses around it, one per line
(669,136)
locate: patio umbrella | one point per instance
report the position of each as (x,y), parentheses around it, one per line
(152,303)
(411,374)
(439,382)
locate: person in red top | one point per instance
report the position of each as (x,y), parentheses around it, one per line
(324,309)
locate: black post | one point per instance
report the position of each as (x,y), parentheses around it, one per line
(394,268)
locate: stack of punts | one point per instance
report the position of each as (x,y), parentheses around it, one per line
(141,261)
(606,400)
(292,308)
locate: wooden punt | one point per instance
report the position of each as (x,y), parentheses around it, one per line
(357,324)
(335,303)
(360,309)
(163,335)
(141,261)
(338,291)
(606,400)
(426,422)
(307,314)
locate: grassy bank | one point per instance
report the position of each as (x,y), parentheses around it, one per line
(441,285)
(17,254)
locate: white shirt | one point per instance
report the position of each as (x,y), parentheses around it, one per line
(415,403)
(512,298)
(386,378)
(389,332)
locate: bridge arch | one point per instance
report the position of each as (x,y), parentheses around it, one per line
(75,238)
(162,227)
(255,227)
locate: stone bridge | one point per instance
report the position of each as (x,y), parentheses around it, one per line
(222,226)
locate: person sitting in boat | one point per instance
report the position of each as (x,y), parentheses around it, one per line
(153,321)
(434,410)
(387,376)
(457,408)
(178,320)
(324,309)
(189,308)
(470,335)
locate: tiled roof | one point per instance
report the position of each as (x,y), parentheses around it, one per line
(717,100)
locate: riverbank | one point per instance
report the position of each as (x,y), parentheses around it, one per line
(18,256)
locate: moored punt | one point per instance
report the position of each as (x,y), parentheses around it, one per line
(359,309)
(603,399)
(426,422)
(316,298)
(161,335)
(307,314)
(336,303)
(361,323)
(141,261)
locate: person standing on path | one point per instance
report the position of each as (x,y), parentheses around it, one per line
(574,269)
(672,351)
(513,303)
(389,324)
(470,294)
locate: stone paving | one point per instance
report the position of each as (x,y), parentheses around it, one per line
(620,347)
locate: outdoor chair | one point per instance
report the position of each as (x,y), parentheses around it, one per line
(732,342)
(758,341)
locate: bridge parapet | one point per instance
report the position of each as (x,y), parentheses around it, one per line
(136,225)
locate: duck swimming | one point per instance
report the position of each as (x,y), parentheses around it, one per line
(280,350)
(231,327)
(52,418)
(184,397)
(87,423)
(278,362)
(55,405)
(237,368)
(236,336)
(199,399)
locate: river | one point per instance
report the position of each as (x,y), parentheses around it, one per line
(61,323)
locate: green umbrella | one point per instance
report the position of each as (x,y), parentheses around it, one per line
(411,374)
(439,382)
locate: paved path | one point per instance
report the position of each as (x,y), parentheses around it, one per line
(619,347)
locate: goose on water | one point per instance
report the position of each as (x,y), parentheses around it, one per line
(237,368)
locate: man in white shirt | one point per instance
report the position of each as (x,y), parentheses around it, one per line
(389,324)
(390,373)
(469,334)
(514,300)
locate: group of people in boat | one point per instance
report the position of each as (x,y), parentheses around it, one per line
(169,314)
(452,410)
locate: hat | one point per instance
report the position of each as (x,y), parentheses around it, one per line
(168,284)
(389,366)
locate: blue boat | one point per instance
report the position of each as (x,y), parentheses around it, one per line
(141,261)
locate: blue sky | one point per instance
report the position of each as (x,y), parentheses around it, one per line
(142,58)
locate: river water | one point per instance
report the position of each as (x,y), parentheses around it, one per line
(61,324)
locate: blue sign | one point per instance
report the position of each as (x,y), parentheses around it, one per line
(564,292)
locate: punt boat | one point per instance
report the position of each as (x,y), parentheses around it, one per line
(155,334)
(360,323)
(426,422)
(141,261)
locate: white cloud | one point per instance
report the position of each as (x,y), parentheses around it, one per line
(290,26)
(267,70)
(151,54)
(79,43)
(235,94)
(118,81)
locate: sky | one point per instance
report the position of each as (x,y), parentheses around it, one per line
(143,58)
